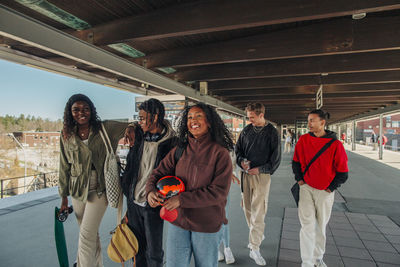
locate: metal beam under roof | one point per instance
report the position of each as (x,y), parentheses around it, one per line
(19,27)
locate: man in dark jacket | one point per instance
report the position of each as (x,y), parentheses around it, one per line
(150,140)
(317,185)
(258,153)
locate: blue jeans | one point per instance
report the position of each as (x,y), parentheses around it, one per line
(181,244)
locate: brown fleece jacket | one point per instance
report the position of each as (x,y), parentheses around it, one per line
(206,170)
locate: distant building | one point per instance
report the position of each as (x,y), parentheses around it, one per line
(38,139)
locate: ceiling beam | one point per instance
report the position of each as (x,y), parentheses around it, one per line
(391,88)
(360,62)
(206,16)
(24,29)
(326,97)
(334,37)
(310,80)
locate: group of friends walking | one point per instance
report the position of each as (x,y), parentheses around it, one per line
(207,167)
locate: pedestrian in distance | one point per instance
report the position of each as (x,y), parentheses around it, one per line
(150,141)
(81,172)
(320,167)
(258,153)
(288,142)
(205,168)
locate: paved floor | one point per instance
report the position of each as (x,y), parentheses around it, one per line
(26,222)
(353,240)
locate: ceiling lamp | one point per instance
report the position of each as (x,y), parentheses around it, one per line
(359,15)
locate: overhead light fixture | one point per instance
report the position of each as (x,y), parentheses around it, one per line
(359,15)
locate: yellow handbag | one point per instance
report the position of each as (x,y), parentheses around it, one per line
(123,245)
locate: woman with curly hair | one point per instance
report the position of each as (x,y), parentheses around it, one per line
(81,174)
(205,168)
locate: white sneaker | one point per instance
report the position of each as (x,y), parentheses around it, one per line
(220,256)
(249,246)
(256,256)
(320,263)
(229,259)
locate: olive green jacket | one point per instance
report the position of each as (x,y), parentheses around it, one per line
(76,159)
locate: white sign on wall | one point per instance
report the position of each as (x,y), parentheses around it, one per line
(318,98)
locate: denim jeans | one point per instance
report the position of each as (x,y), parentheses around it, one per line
(181,244)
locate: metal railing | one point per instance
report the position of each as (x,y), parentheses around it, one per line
(11,186)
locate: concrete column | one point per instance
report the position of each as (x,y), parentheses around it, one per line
(380,136)
(353,136)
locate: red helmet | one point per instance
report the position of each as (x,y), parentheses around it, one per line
(170,186)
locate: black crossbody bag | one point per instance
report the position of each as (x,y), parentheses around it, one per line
(296,187)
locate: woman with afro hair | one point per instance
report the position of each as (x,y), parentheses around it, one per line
(81,174)
(205,167)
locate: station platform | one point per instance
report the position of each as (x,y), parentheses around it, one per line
(363,231)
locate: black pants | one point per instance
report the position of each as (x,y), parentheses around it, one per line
(146,224)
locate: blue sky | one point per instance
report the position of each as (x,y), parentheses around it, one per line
(29,91)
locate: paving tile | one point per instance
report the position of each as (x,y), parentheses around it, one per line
(290,235)
(372,236)
(385,224)
(291,221)
(344,233)
(290,244)
(380,264)
(343,226)
(289,255)
(338,214)
(330,240)
(379,246)
(288,264)
(291,227)
(394,239)
(331,249)
(291,213)
(357,253)
(351,262)
(348,242)
(360,221)
(328,231)
(397,246)
(339,198)
(365,228)
(333,261)
(375,217)
(385,257)
(356,215)
(338,219)
(390,230)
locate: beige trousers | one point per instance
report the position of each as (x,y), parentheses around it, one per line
(89,216)
(315,207)
(288,147)
(255,205)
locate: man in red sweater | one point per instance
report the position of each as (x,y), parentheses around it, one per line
(317,185)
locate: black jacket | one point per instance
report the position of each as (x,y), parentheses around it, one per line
(129,177)
(262,149)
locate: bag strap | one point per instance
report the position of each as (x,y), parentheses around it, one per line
(178,153)
(108,144)
(322,150)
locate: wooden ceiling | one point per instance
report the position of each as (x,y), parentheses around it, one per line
(274,52)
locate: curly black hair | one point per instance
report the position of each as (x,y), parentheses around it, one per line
(69,123)
(219,133)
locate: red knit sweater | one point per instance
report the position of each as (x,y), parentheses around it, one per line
(322,171)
